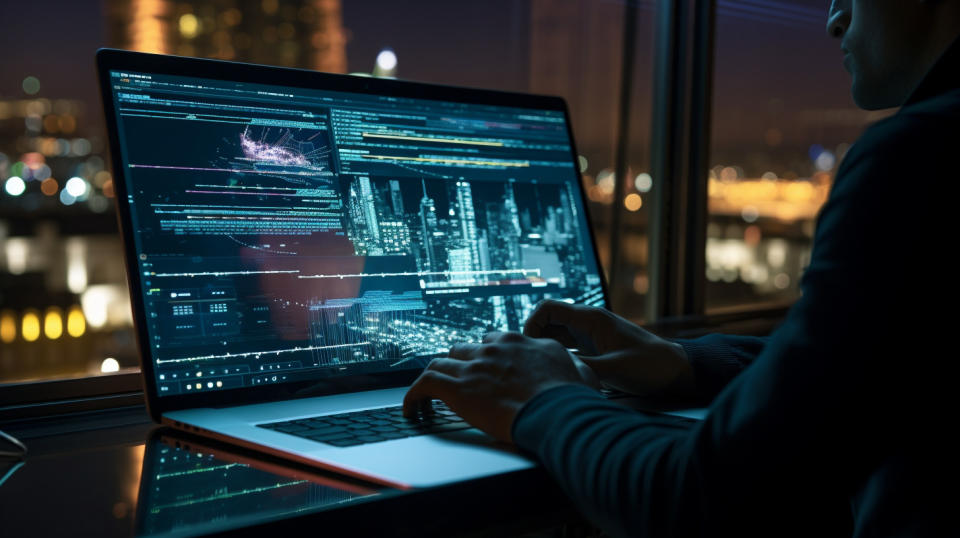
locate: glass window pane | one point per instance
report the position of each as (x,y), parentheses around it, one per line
(64,306)
(783,119)
(630,290)
(64,309)
(596,121)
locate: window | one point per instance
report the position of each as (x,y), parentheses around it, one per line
(783,119)
(64,306)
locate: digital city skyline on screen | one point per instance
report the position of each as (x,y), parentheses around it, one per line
(286,234)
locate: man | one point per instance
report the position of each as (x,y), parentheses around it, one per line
(835,424)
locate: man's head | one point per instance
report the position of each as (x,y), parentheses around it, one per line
(890,44)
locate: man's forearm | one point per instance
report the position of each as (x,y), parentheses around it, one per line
(718,358)
(625,470)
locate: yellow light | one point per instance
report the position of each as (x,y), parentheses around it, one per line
(633,202)
(53,323)
(189,25)
(76,323)
(148,25)
(8,326)
(30,326)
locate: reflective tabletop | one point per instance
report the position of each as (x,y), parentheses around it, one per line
(138,479)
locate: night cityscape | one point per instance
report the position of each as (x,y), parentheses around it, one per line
(782,122)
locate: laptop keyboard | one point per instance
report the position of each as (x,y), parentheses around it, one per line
(370,426)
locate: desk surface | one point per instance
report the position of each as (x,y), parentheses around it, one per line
(118,475)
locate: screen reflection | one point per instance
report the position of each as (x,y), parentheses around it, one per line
(192,486)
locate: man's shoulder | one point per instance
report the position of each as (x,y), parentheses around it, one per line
(925,126)
(920,142)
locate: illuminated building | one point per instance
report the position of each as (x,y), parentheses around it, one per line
(468,222)
(428,226)
(396,198)
(306,33)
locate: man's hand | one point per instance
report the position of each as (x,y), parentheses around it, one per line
(623,355)
(487,384)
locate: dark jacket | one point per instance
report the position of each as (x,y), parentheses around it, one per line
(838,423)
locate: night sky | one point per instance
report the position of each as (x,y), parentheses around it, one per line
(775,65)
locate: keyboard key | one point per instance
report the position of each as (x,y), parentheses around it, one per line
(359,426)
(345,442)
(325,431)
(408,427)
(371,426)
(329,437)
(442,428)
(291,428)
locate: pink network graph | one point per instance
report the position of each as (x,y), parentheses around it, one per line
(275,153)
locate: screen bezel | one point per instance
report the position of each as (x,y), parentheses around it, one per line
(112,59)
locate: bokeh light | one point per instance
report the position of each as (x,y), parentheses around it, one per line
(31,85)
(109,365)
(30,326)
(387,60)
(189,25)
(643,182)
(15,186)
(49,186)
(76,324)
(53,323)
(76,186)
(8,326)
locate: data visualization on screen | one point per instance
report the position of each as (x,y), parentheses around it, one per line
(285,234)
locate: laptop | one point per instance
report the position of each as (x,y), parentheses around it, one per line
(300,245)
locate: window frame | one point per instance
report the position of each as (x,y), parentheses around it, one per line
(681,118)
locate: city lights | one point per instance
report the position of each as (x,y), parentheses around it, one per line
(95,302)
(109,365)
(31,85)
(76,266)
(825,161)
(53,323)
(763,194)
(30,326)
(76,324)
(8,326)
(606,181)
(49,186)
(189,25)
(643,183)
(386,65)
(76,186)
(17,250)
(15,186)
(387,60)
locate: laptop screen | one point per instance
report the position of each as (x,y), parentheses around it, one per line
(285,234)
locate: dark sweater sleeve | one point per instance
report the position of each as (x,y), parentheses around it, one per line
(718,358)
(788,439)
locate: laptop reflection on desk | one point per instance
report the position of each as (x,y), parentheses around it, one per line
(189,485)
